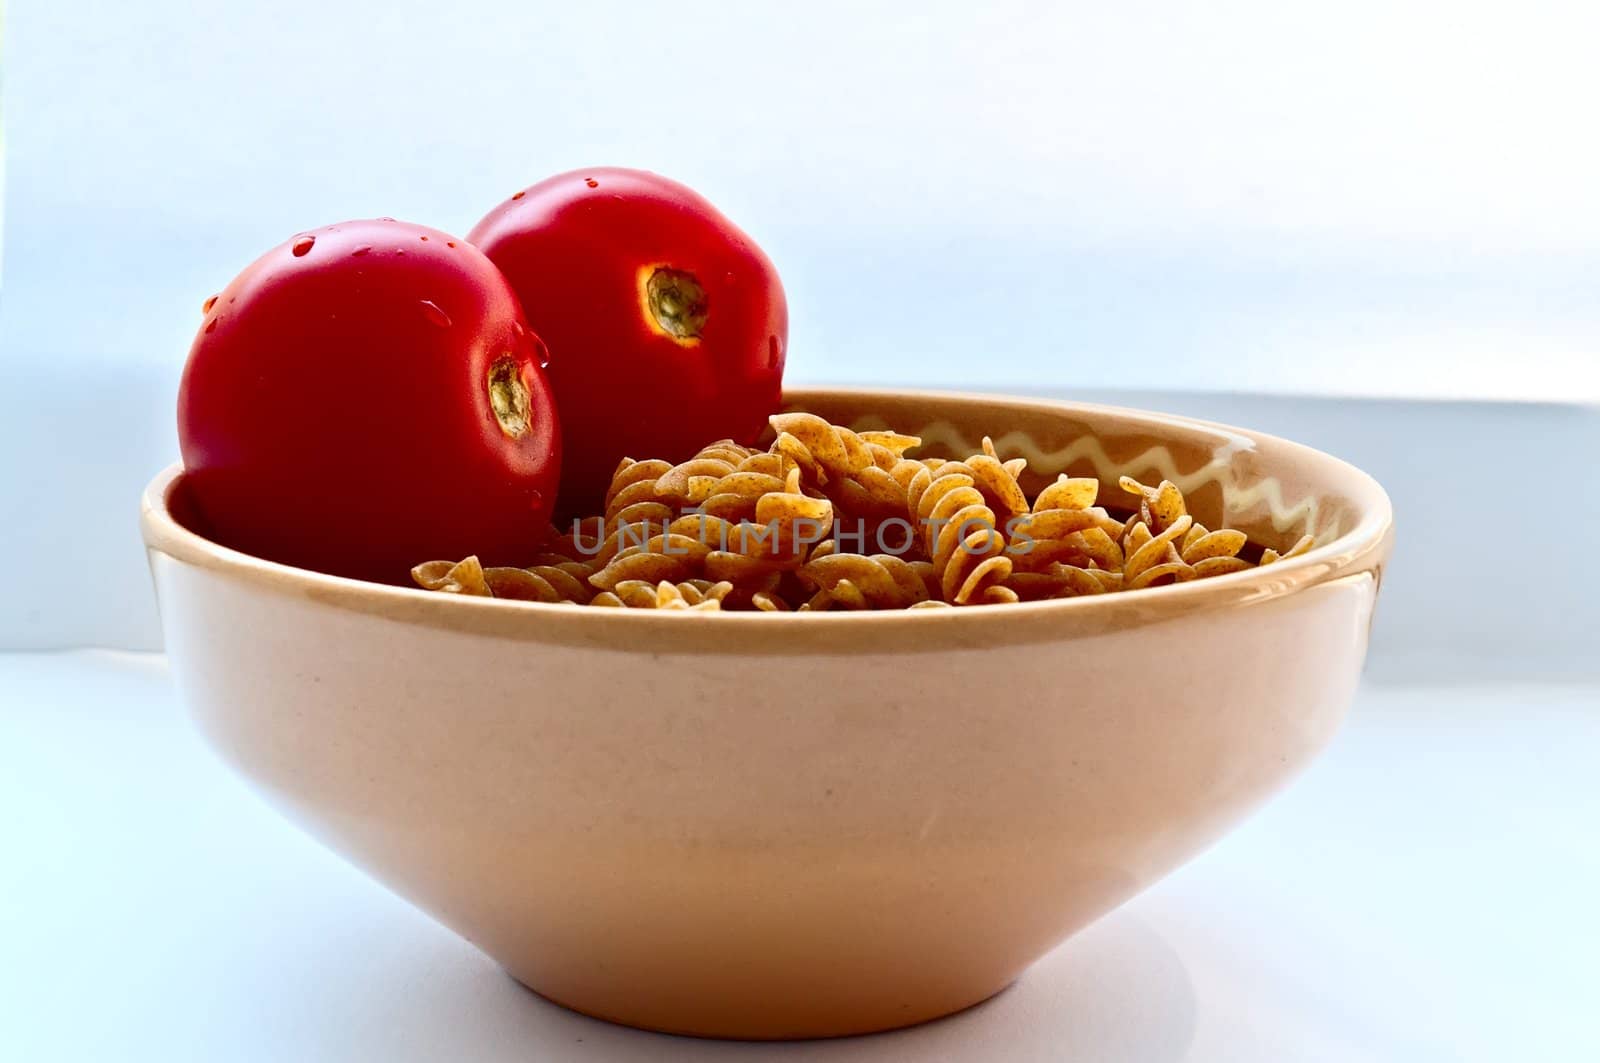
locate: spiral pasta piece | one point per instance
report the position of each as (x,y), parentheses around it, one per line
(634,481)
(962,541)
(701,595)
(1063,581)
(688,482)
(1159,506)
(1155,559)
(994,482)
(788,523)
(767,602)
(872,492)
(1200,544)
(561,582)
(674,558)
(876,581)
(887,448)
(734,495)
(727,450)
(998,480)
(452,577)
(567,582)
(1213,553)
(821,450)
(1066,527)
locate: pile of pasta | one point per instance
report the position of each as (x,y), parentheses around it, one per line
(787,528)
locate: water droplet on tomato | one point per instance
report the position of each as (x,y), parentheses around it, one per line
(544,358)
(449,243)
(362,250)
(302,245)
(536,496)
(432,312)
(591,182)
(519,195)
(423,238)
(205,307)
(211,325)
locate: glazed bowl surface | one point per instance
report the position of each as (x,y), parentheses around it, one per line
(767,826)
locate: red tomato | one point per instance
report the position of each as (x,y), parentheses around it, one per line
(667,326)
(365,397)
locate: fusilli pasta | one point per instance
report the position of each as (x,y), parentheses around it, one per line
(765,530)
(960,533)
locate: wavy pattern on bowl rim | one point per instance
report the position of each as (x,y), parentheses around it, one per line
(1301,515)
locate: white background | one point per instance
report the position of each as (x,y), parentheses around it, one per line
(1376,197)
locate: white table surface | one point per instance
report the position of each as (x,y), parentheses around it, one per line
(1427,891)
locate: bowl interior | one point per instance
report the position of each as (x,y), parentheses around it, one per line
(1273,490)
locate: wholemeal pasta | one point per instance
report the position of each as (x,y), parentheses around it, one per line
(960,531)
(861,581)
(821,451)
(697,594)
(825,519)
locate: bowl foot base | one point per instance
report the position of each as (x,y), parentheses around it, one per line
(781,1023)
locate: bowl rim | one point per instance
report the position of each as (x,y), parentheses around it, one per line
(1359,553)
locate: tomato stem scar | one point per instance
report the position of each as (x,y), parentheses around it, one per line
(508,397)
(677,304)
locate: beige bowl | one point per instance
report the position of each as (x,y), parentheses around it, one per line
(764,826)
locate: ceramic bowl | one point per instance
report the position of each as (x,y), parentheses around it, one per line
(772,826)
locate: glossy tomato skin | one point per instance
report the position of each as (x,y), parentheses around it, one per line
(336,409)
(580,249)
